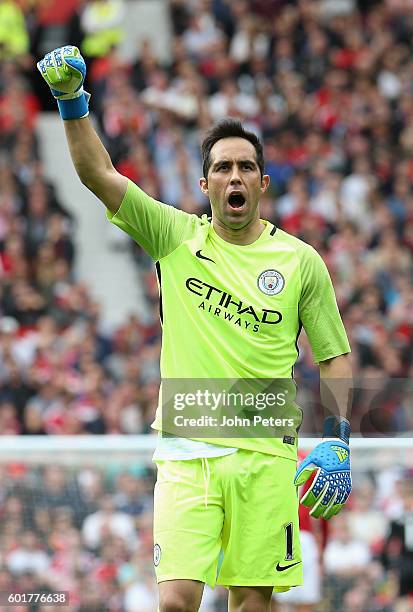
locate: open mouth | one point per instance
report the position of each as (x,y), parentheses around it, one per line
(236,200)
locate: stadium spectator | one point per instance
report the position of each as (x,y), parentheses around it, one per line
(28,557)
(101,21)
(106,522)
(398,548)
(14,40)
(344,559)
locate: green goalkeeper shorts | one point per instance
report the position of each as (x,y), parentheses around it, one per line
(229,520)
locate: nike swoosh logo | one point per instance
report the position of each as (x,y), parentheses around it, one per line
(200,256)
(282,568)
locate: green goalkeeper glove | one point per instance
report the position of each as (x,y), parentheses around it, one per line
(64,71)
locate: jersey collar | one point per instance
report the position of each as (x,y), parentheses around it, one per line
(269,230)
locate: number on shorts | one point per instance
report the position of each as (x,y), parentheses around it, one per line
(288,542)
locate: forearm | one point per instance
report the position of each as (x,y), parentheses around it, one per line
(331,485)
(336,384)
(89,156)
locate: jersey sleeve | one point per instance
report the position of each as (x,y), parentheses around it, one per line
(157,227)
(318,309)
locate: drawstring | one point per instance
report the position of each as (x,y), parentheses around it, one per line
(207,475)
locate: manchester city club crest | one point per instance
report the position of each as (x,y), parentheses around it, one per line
(271,282)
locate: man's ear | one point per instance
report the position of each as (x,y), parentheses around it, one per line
(265,181)
(203,184)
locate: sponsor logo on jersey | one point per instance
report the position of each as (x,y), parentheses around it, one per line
(222,304)
(271,282)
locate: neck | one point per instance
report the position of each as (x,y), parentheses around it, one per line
(245,235)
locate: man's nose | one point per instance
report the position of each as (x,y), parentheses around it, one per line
(235,176)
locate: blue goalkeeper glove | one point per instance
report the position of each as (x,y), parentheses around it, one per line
(331,487)
(64,71)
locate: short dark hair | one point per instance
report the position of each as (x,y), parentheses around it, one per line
(229,128)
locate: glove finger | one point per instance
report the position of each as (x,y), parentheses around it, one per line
(329,509)
(70,50)
(319,506)
(48,67)
(342,499)
(304,473)
(72,58)
(311,498)
(330,513)
(41,67)
(76,65)
(317,511)
(337,500)
(344,489)
(335,510)
(318,489)
(326,502)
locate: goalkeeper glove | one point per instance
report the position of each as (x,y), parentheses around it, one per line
(330,460)
(64,70)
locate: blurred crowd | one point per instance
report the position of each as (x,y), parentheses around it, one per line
(328,86)
(87,532)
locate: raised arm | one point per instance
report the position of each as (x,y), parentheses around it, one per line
(158,228)
(93,164)
(64,70)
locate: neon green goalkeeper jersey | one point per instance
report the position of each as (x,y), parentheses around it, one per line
(231,311)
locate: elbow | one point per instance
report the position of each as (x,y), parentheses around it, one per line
(85,180)
(83,174)
(97,181)
(338,366)
(89,182)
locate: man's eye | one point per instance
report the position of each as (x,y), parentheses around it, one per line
(223,167)
(248,167)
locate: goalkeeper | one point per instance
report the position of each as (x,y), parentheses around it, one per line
(235,292)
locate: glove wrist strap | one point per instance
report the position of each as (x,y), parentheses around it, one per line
(76,108)
(337,427)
